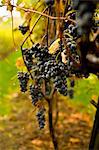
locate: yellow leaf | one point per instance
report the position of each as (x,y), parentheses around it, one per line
(54,46)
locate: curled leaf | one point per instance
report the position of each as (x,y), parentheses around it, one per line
(54,46)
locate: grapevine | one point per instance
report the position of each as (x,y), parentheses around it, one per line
(51,65)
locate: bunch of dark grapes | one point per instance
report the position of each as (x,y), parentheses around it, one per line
(35,93)
(51,69)
(41,117)
(23,80)
(23,29)
(58,72)
(84,15)
(70,37)
(46,67)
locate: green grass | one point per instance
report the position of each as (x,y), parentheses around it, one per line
(8,81)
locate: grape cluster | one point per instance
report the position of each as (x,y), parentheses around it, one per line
(51,70)
(41,117)
(70,37)
(23,29)
(57,71)
(84,15)
(23,79)
(45,66)
(35,93)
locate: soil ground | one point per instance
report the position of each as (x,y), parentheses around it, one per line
(20,131)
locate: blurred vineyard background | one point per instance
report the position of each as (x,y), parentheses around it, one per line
(11,100)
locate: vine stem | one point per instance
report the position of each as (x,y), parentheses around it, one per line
(57,113)
(94,140)
(42,13)
(49,100)
(51,127)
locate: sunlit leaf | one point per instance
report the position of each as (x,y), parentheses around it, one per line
(54,46)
